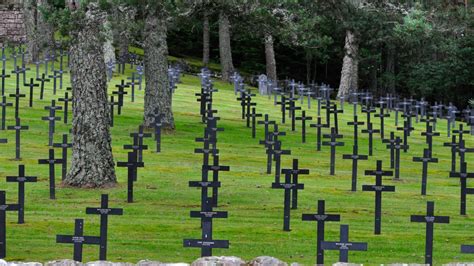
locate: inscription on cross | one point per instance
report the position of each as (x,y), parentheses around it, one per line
(343,245)
(21,179)
(78,239)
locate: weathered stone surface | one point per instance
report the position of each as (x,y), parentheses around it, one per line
(406,264)
(346,264)
(267,261)
(157,263)
(219,261)
(63,263)
(20,263)
(108,263)
(11,22)
(459,264)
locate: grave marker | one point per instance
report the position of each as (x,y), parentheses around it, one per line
(51,161)
(343,245)
(78,239)
(303,119)
(333,144)
(355,157)
(64,146)
(21,179)
(18,128)
(378,188)
(4,208)
(288,186)
(429,219)
(427,158)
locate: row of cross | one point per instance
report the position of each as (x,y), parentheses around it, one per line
(209,186)
(395,144)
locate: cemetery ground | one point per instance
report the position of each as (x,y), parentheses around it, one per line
(154,226)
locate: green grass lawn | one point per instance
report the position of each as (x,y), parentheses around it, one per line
(155,225)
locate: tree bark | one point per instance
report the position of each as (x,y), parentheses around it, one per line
(109,50)
(30,14)
(350,66)
(157,92)
(390,70)
(225,50)
(205,40)
(92,162)
(45,28)
(270,57)
(122,16)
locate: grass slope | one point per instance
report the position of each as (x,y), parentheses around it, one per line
(155,225)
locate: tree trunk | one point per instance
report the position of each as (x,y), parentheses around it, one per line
(30,13)
(350,66)
(205,41)
(92,162)
(157,92)
(309,58)
(109,50)
(390,70)
(122,16)
(225,50)
(270,58)
(45,28)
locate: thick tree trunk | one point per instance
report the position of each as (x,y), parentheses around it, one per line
(225,50)
(92,162)
(157,92)
(122,16)
(270,57)
(350,66)
(309,58)
(30,15)
(205,41)
(109,50)
(45,28)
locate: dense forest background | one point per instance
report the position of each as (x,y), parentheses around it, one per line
(411,48)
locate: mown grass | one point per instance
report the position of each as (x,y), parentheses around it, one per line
(155,225)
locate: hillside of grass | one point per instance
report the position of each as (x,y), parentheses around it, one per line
(154,226)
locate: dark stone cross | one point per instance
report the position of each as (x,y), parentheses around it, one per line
(120,92)
(17,95)
(321,217)
(406,133)
(397,146)
(283,104)
(66,101)
(21,179)
(248,105)
(78,239)
(333,144)
(378,188)
(42,80)
(288,186)
(206,243)
(390,145)
(343,245)
(206,150)
(295,172)
(303,119)
(4,207)
(18,128)
(355,157)
(64,146)
(3,76)
(140,135)
(215,168)
(51,161)
(4,105)
(368,110)
(52,118)
(429,134)
(430,219)
(454,145)
(382,115)
(318,127)
(427,158)
(112,103)
(355,123)
(254,116)
(277,152)
(463,175)
(205,97)
(266,122)
(132,84)
(333,110)
(460,131)
(157,124)
(370,131)
(462,150)
(104,211)
(132,165)
(292,110)
(55,77)
(31,85)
